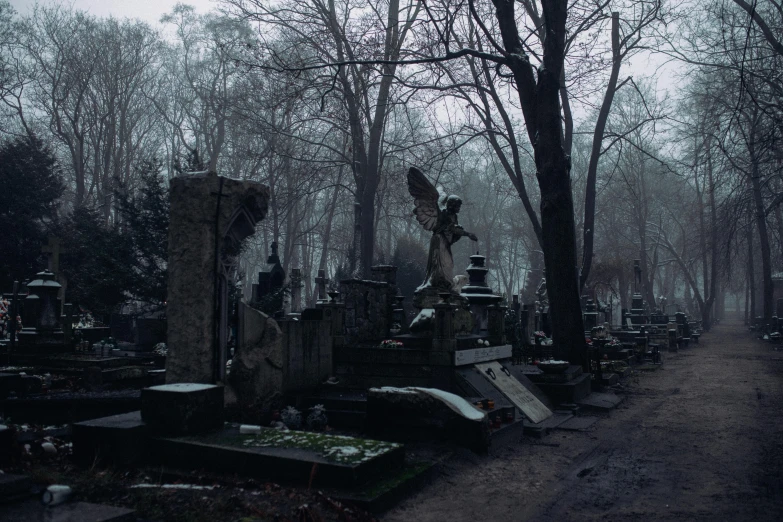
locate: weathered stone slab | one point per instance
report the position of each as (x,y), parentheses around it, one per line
(271,454)
(420,413)
(119,439)
(182,408)
(601,401)
(258,363)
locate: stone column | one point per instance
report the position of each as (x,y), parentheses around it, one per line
(210,216)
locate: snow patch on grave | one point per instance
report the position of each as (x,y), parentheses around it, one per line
(183,387)
(424,319)
(455,402)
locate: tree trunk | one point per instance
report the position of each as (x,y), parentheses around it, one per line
(761,223)
(751,275)
(595,154)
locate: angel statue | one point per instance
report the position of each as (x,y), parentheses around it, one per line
(442,222)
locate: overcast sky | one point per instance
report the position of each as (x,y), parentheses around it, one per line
(147,10)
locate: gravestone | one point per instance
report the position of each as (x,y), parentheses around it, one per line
(369,305)
(270,278)
(210,216)
(321,283)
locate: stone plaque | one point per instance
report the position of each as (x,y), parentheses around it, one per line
(475,355)
(514,391)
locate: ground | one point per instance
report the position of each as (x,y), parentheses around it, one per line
(699,439)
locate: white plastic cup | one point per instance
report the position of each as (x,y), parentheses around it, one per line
(56,494)
(250,429)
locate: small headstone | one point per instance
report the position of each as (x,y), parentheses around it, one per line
(182,408)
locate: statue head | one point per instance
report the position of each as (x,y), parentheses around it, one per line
(453,204)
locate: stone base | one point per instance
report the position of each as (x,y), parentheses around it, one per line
(424,323)
(119,439)
(184,408)
(567,392)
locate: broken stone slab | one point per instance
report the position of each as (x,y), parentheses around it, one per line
(182,408)
(426,413)
(258,364)
(118,439)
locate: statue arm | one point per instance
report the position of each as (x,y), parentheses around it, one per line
(461,232)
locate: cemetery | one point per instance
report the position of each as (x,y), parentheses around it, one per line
(470,369)
(415,260)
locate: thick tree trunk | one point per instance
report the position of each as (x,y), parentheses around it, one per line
(540,102)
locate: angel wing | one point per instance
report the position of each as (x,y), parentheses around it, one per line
(425,197)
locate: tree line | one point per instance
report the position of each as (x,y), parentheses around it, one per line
(568,155)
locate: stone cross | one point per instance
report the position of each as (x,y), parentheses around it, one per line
(321,281)
(53,250)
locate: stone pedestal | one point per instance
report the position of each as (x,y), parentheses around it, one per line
(479,295)
(334,312)
(183,408)
(210,216)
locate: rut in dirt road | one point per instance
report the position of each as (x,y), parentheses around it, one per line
(699,439)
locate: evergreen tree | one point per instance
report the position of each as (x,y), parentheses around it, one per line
(30,189)
(145,225)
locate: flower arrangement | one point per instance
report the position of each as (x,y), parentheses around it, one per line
(539,334)
(390,343)
(160,350)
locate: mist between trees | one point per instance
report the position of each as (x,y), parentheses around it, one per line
(527,110)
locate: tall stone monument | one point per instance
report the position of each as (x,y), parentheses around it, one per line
(210,216)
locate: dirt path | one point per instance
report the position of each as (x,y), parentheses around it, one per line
(699,439)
